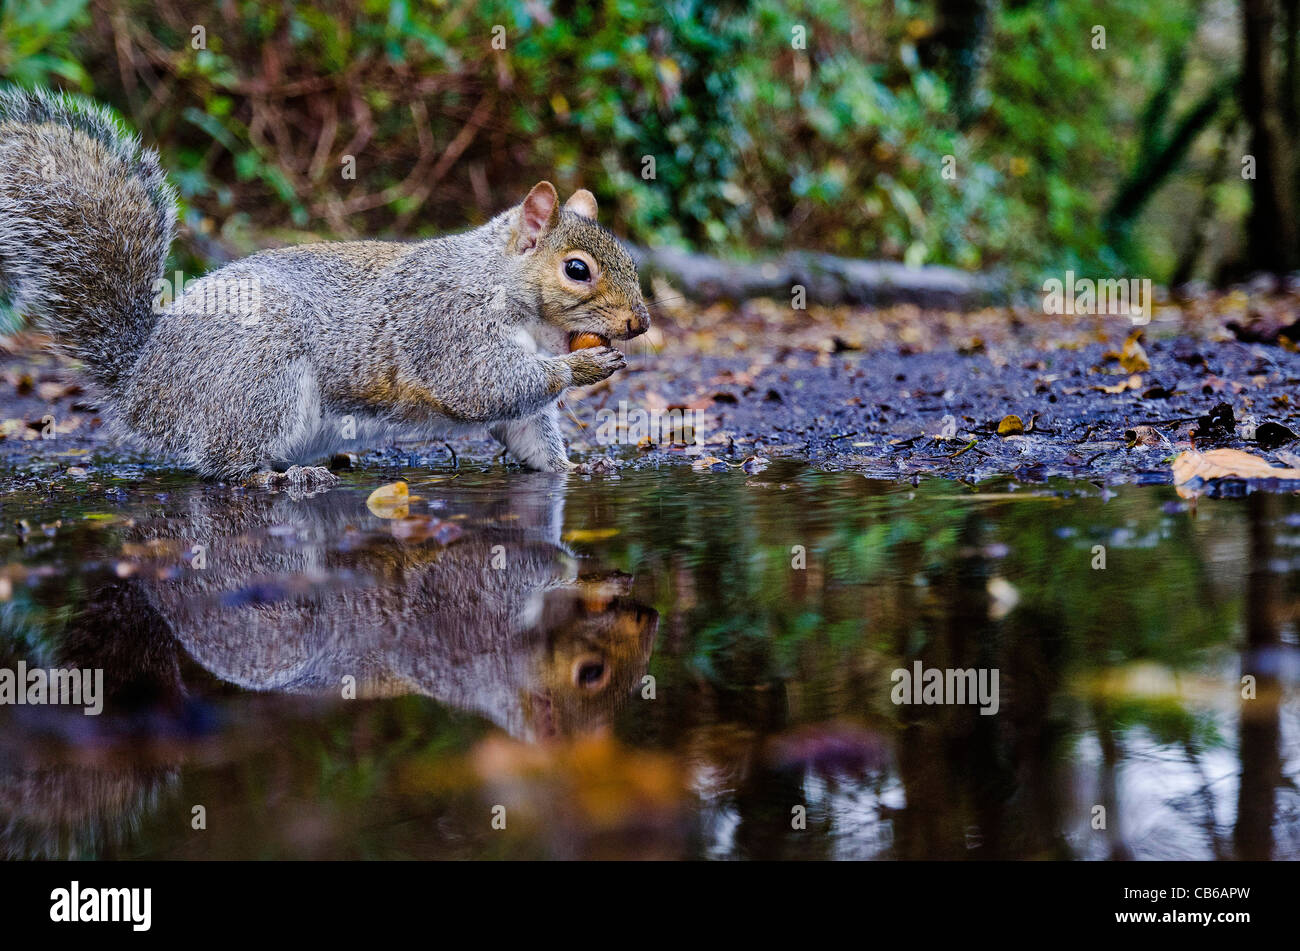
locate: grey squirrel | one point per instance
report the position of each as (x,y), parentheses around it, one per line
(278,359)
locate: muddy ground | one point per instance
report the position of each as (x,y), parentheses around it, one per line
(895,393)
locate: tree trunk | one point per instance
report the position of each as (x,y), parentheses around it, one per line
(1271,236)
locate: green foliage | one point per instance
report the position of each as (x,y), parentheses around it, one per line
(36,39)
(759,143)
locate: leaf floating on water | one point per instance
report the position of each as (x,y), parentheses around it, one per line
(592,780)
(390,501)
(1011,426)
(589,534)
(1223,464)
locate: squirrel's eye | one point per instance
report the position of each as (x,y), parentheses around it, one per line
(576,269)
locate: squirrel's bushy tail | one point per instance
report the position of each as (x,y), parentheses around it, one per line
(86,218)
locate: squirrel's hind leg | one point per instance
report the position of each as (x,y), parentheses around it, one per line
(535,441)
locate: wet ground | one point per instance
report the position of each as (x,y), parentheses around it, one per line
(890,393)
(707,652)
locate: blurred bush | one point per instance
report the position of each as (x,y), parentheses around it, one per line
(757,144)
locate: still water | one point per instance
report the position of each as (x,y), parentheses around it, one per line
(664,664)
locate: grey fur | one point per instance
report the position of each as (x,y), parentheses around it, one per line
(275,359)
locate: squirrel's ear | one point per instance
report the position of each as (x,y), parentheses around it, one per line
(582,202)
(537,215)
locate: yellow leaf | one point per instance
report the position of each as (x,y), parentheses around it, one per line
(1133,358)
(390,501)
(589,534)
(1132,383)
(1011,426)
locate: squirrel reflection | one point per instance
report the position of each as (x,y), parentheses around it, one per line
(297,595)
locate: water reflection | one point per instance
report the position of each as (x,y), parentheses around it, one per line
(296,598)
(649,666)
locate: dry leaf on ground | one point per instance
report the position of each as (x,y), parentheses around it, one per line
(1224,464)
(1011,426)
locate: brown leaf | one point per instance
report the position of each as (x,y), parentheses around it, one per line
(1224,464)
(1145,436)
(1132,383)
(707,462)
(1133,358)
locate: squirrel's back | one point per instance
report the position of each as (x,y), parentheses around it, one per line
(86,219)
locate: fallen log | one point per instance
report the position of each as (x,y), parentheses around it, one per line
(827,279)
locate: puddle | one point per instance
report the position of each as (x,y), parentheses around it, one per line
(664,664)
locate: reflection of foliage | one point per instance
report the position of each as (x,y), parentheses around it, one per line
(882,568)
(1168,723)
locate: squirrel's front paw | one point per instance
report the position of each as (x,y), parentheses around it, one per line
(296,478)
(594,364)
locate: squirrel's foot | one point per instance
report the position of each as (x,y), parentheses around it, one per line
(296,479)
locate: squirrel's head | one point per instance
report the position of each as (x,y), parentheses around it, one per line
(585,279)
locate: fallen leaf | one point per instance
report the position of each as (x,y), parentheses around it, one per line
(1133,358)
(708,462)
(51,392)
(390,501)
(589,534)
(1132,383)
(1145,436)
(1223,464)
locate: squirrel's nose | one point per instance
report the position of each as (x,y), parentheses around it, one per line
(638,323)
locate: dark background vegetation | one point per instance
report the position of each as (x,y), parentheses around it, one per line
(1126,159)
